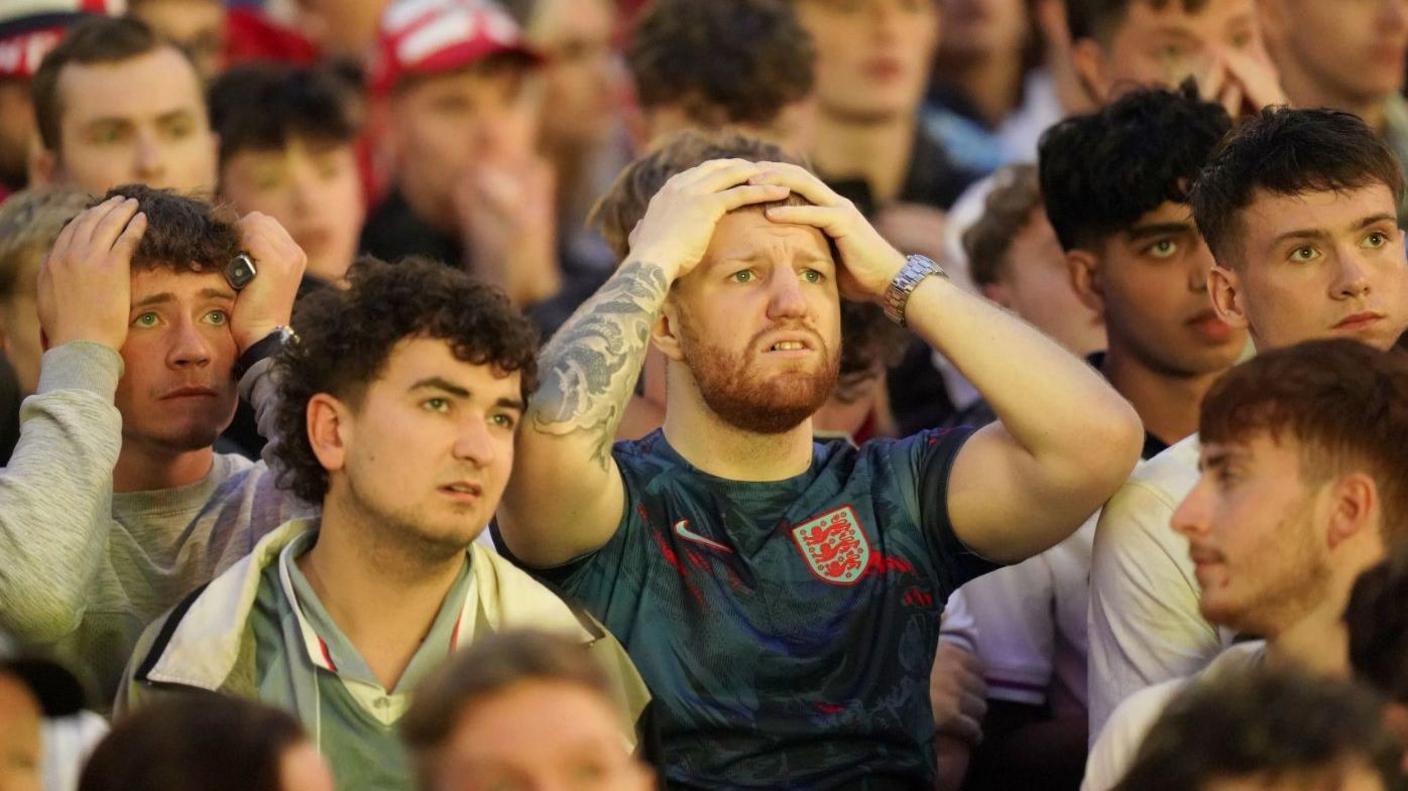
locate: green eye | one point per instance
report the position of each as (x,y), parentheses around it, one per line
(812,276)
(746,276)
(1164,248)
(147,319)
(504,421)
(1303,255)
(1376,239)
(218,317)
(436,404)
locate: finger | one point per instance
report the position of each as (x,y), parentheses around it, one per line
(828,218)
(799,180)
(963,727)
(1232,100)
(747,194)
(973,705)
(1210,86)
(87,222)
(62,243)
(126,244)
(720,179)
(112,224)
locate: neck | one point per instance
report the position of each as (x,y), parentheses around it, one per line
(1304,91)
(992,84)
(432,211)
(142,467)
(1168,405)
(726,451)
(382,599)
(876,151)
(1317,644)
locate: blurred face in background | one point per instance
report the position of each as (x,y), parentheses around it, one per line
(583,79)
(1347,51)
(196,26)
(975,30)
(873,56)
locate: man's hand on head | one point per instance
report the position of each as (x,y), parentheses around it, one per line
(267,302)
(679,222)
(868,263)
(85,284)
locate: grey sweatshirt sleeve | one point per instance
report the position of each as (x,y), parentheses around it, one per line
(259,388)
(55,497)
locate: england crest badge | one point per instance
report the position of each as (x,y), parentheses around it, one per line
(835,546)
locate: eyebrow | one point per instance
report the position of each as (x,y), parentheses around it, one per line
(1158,229)
(444,385)
(167,296)
(1321,233)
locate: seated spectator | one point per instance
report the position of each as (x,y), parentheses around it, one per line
(287,137)
(1122,45)
(1298,208)
(1301,490)
(115,504)
(207,743)
(30,221)
(521,709)
(45,732)
(1266,728)
(397,413)
(1377,621)
(27,32)
(471,191)
(114,105)
(1349,56)
(196,27)
(745,64)
(1120,209)
(814,662)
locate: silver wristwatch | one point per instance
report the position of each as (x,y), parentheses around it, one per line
(916,268)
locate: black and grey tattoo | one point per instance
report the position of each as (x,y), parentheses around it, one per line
(590,368)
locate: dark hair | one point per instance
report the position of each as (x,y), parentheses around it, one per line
(262,106)
(870,343)
(625,202)
(200,740)
(1285,151)
(1377,621)
(1344,402)
(96,39)
(1098,19)
(1006,211)
(1101,172)
(487,667)
(722,61)
(1257,722)
(347,335)
(183,234)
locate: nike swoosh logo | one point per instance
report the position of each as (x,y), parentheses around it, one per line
(682,530)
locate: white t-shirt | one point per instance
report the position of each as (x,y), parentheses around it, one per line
(1113,754)
(1144,624)
(1029,622)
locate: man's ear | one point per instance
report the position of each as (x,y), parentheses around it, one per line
(1355,500)
(1086,279)
(665,332)
(329,426)
(1225,288)
(1092,70)
(43,167)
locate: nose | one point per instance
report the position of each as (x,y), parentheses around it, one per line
(785,298)
(148,161)
(189,347)
(1351,277)
(1394,17)
(1190,519)
(474,442)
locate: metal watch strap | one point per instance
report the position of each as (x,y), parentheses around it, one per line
(916,268)
(262,349)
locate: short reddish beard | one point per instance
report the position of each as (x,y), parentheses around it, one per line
(733,392)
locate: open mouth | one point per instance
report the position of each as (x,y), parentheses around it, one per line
(789,346)
(462,490)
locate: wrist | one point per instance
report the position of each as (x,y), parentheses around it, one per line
(669,264)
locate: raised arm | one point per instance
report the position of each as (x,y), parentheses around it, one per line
(1064,440)
(566,496)
(55,495)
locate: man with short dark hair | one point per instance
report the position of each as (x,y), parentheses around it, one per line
(115,105)
(747,64)
(398,410)
(115,503)
(780,595)
(1267,728)
(1300,490)
(1299,210)
(523,708)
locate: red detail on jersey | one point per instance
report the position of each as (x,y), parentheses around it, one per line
(881,564)
(835,546)
(918,597)
(829,708)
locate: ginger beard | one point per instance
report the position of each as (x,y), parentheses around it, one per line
(749,399)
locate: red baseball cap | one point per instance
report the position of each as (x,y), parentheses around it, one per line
(30,28)
(433,36)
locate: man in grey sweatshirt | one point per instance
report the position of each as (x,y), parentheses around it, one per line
(115,504)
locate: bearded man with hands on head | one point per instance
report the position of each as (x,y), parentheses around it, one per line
(779,595)
(115,504)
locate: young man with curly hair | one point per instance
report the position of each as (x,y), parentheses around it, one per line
(115,503)
(398,411)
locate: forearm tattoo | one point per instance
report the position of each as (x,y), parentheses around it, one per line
(590,367)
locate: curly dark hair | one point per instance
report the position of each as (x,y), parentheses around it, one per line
(1286,152)
(261,106)
(722,61)
(1101,172)
(346,336)
(183,234)
(1261,723)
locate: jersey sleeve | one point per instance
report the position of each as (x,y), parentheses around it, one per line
(928,462)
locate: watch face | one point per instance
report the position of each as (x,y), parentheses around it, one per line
(240,271)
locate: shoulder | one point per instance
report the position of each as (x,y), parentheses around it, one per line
(1114,751)
(1146,501)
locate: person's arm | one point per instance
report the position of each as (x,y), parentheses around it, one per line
(566,496)
(1065,439)
(55,495)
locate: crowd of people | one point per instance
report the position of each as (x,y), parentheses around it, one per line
(626,394)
